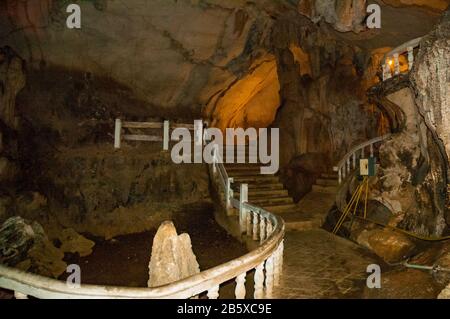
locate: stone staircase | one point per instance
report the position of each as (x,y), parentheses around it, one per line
(268,192)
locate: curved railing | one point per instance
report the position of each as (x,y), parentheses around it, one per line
(391,60)
(349,161)
(267,260)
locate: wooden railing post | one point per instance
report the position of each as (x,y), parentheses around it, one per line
(166,137)
(242,211)
(117,133)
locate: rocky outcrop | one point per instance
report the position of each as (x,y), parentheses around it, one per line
(172,257)
(25,245)
(343,15)
(12,80)
(108,193)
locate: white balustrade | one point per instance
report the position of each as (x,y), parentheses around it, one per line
(351,158)
(392,59)
(255,222)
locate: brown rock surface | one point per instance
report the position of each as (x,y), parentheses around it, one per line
(389,245)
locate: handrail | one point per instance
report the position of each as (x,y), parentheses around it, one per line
(43,287)
(349,159)
(266,259)
(391,59)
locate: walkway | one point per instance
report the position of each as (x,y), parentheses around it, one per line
(318,264)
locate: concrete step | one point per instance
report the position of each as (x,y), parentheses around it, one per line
(277,201)
(259,187)
(259,179)
(265,193)
(302,221)
(242,172)
(325,189)
(282,209)
(329,175)
(326,182)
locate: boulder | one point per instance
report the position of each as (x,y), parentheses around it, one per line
(390,245)
(72,242)
(24,245)
(445,294)
(172,257)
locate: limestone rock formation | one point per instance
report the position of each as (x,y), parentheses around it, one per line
(343,15)
(25,245)
(12,80)
(172,257)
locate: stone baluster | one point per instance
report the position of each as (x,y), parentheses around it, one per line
(214,159)
(269,276)
(371,150)
(255,226)
(278,264)
(410,58)
(240,286)
(348,165)
(213,293)
(248,223)
(242,210)
(259,281)
(354,160)
(340,176)
(229,192)
(269,228)
(19,295)
(387,70)
(262,229)
(396,64)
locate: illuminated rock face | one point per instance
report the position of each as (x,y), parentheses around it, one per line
(431,77)
(250,102)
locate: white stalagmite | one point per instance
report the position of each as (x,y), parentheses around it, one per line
(172,257)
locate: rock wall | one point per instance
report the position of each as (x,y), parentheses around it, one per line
(324,111)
